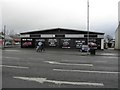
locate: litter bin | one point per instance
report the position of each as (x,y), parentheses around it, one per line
(92,51)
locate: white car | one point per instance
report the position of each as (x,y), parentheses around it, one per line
(17,43)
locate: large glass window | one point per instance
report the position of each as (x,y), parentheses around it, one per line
(52,42)
(79,43)
(27,42)
(65,43)
(39,40)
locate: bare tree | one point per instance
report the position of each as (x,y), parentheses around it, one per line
(11,32)
(7,32)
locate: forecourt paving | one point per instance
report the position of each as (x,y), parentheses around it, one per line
(26,68)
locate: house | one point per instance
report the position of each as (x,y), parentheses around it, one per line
(16,39)
(5,39)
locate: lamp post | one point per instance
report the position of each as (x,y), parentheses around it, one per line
(4,34)
(87,24)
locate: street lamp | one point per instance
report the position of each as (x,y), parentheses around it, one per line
(87,24)
(4,34)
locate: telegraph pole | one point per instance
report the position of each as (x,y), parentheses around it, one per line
(87,24)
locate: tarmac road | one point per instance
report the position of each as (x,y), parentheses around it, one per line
(26,68)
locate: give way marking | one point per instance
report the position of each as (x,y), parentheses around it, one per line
(53,62)
(42,80)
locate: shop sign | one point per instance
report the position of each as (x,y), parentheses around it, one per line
(47,35)
(100,36)
(26,39)
(74,35)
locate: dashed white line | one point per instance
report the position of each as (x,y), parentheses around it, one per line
(109,54)
(85,71)
(14,66)
(11,57)
(13,50)
(53,62)
(111,57)
(42,80)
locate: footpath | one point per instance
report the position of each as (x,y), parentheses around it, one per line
(108,52)
(105,52)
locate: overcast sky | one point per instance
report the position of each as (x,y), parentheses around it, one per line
(24,15)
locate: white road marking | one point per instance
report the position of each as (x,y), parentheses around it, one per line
(109,57)
(42,80)
(13,50)
(101,61)
(85,71)
(14,66)
(53,62)
(109,54)
(11,57)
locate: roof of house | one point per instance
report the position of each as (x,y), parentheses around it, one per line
(38,30)
(6,37)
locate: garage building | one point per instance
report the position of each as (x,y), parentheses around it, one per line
(61,38)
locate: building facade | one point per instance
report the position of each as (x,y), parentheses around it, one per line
(61,38)
(117,32)
(117,37)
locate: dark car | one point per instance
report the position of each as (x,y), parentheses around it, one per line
(84,48)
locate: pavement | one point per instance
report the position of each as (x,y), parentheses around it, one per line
(105,52)
(108,52)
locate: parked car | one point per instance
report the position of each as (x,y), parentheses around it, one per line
(84,48)
(93,45)
(17,43)
(8,43)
